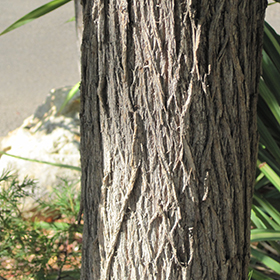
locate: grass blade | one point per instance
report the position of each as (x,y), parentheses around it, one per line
(270,174)
(272,44)
(44,162)
(70,95)
(266,260)
(270,100)
(270,75)
(268,208)
(265,156)
(36,14)
(268,140)
(262,220)
(260,234)
(257,275)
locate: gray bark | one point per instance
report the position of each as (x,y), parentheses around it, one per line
(169,137)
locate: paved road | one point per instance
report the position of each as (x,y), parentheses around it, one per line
(40,56)
(273,16)
(34,59)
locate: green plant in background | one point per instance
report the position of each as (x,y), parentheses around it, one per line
(40,245)
(43,10)
(39,12)
(43,241)
(72,167)
(265,235)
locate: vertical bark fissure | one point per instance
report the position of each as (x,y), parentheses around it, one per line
(91,158)
(169,100)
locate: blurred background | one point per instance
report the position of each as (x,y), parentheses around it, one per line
(42,55)
(34,58)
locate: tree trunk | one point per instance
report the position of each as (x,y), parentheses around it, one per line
(169,137)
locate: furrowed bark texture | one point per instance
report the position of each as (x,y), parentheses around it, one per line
(169,137)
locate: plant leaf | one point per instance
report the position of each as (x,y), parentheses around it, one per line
(266,260)
(268,140)
(270,74)
(268,208)
(70,95)
(250,274)
(272,44)
(44,162)
(257,275)
(270,174)
(260,234)
(265,156)
(49,7)
(270,100)
(71,19)
(262,220)
(257,222)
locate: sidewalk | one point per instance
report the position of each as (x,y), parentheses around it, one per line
(34,58)
(273,16)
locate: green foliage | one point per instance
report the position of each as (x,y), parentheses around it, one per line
(43,162)
(41,11)
(70,95)
(45,242)
(41,244)
(47,8)
(265,214)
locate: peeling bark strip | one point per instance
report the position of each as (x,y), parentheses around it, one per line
(169,137)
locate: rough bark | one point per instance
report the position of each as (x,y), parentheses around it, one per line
(169,137)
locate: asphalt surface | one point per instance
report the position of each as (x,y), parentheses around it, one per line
(42,55)
(273,16)
(34,58)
